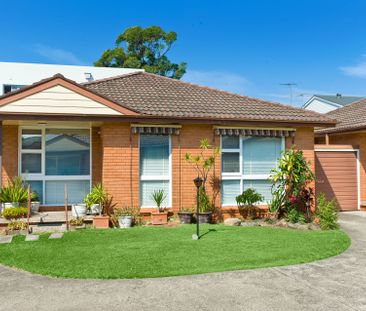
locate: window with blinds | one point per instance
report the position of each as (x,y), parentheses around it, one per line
(246,162)
(154,168)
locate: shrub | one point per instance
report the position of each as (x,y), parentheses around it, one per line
(14,212)
(134,212)
(16,191)
(327,213)
(294,216)
(76,221)
(17,225)
(96,196)
(247,200)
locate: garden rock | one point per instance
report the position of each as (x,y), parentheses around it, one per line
(297,226)
(232,222)
(313,226)
(6,239)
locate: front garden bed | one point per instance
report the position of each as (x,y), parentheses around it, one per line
(142,252)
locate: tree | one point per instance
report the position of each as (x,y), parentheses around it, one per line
(144,48)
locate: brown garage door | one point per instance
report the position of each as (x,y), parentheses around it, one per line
(336,176)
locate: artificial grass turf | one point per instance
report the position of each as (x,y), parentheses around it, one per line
(142,252)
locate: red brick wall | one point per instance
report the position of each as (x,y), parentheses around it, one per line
(120,161)
(10,153)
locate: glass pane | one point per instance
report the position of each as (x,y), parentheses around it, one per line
(76,191)
(230,162)
(148,187)
(32,139)
(31,163)
(230,142)
(260,154)
(37,187)
(229,190)
(154,155)
(67,152)
(261,186)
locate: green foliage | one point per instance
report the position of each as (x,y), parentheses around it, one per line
(14,212)
(277,200)
(205,205)
(16,191)
(17,225)
(127,211)
(247,200)
(144,48)
(294,216)
(187,209)
(290,180)
(249,197)
(158,196)
(327,213)
(97,195)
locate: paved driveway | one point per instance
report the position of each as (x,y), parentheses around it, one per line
(338,283)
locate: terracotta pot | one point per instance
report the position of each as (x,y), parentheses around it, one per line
(101,222)
(185,217)
(159,218)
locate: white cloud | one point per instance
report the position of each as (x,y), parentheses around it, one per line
(358,70)
(218,79)
(57,55)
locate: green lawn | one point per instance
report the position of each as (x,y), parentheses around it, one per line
(156,251)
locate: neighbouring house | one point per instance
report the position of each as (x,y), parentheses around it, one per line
(132,132)
(14,76)
(341,156)
(327,103)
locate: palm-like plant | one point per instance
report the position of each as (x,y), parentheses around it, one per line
(158,197)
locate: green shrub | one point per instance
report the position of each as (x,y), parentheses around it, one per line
(76,221)
(327,213)
(16,191)
(14,212)
(247,200)
(294,216)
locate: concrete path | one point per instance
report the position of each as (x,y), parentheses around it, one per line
(338,283)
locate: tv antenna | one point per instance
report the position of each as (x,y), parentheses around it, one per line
(290,85)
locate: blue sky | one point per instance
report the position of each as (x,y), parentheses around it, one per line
(248,47)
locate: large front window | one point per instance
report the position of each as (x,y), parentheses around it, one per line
(246,162)
(51,158)
(154,168)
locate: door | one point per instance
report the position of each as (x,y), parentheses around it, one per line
(337,176)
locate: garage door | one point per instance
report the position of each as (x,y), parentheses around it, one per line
(336,176)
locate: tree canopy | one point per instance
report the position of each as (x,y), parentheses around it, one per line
(144,48)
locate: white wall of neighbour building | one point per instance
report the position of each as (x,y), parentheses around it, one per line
(14,75)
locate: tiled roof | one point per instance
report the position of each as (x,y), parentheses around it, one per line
(155,95)
(350,117)
(340,99)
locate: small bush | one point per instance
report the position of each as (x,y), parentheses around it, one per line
(294,216)
(17,225)
(246,201)
(327,213)
(16,212)
(76,221)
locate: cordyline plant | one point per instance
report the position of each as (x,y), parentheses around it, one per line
(203,163)
(290,182)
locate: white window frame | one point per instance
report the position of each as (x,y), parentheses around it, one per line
(240,175)
(157,177)
(42,176)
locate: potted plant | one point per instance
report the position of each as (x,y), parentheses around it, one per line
(185,215)
(14,212)
(160,217)
(246,202)
(205,209)
(35,204)
(14,193)
(99,196)
(78,210)
(92,201)
(126,216)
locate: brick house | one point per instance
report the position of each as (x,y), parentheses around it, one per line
(131,133)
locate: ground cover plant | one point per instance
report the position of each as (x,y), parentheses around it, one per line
(160,251)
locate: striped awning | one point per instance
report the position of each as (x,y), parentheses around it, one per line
(255,132)
(156,130)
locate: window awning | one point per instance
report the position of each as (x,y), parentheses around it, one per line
(255,132)
(155,129)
